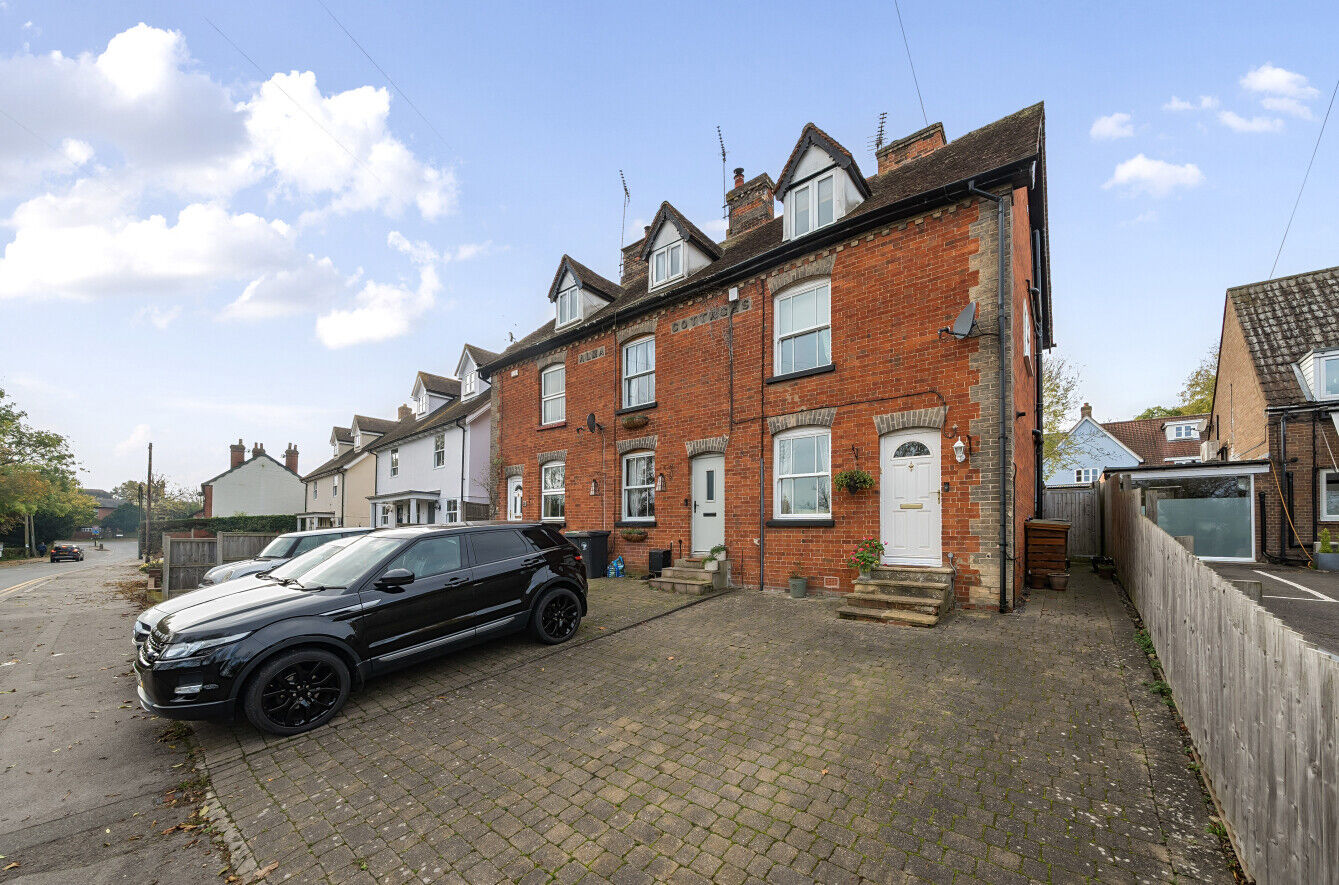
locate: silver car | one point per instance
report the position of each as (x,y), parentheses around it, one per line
(276,553)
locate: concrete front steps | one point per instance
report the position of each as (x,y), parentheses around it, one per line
(916,596)
(687,576)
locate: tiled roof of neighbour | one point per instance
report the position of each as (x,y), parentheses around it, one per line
(341,434)
(1147,439)
(103,497)
(812,136)
(1284,318)
(689,231)
(439,384)
(586,278)
(411,427)
(481,356)
(333,465)
(374,425)
(1012,140)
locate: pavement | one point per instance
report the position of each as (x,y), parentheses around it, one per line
(87,782)
(1305,599)
(746,737)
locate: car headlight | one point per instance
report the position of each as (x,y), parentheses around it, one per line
(178,650)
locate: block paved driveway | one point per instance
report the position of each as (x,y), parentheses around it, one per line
(747,737)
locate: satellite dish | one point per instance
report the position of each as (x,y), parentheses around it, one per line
(590,422)
(966,321)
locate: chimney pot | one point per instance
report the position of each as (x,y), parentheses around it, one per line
(257,449)
(291,457)
(405,411)
(739,175)
(750,202)
(236,454)
(1086,411)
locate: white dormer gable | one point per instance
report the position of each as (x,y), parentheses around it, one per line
(820,184)
(569,303)
(471,383)
(577,292)
(1319,370)
(1183,430)
(425,400)
(675,249)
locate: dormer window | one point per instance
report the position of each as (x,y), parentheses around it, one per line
(470,384)
(810,206)
(666,264)
(1184,431)
(569,306)
(1327,376)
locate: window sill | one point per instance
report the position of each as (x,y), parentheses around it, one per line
(556,523)
(804,373)
(556,426)
(635,524)
(804,523)
(628,410)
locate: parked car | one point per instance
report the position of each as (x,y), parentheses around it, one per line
(66,551)
(287,654)
(277,552)
(287,571)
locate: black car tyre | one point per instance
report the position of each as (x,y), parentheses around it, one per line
(53,559)
(296,691)
(557,616)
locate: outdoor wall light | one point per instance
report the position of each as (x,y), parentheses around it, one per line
(960,450)
(660,483)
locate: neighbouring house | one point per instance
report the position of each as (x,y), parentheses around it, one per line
(105,501)
(716,392)
(337,491)
(255,486)
(1113,445)
(432,467)
(1275,408)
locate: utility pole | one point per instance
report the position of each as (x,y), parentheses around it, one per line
(148,510)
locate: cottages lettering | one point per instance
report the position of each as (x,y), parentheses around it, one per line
(711,316)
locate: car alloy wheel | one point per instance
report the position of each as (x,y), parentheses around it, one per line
(297,691)
(558,617)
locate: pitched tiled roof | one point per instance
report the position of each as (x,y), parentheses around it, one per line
(586,278)
(412,427)
(334,465)
(439,384)
(103,497)
(374,425)
(481,356)
(1006,143)
(1282,319)
(1147,438)
(812,136)
(341,434)
(689,231)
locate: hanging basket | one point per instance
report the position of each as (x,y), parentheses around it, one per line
(853,481)
(633,534)
(635,422)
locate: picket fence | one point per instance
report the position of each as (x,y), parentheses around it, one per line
(1261,703)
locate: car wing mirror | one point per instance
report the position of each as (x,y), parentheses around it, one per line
(394,580)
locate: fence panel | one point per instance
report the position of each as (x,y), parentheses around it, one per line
(1261,703)
(236,546)
(185,561)
(1077,506)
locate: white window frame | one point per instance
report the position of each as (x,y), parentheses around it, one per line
(1027,330)
(1322,369)
(651,372)
(395,462)
(777,337)
(560,397)
(778,477)
(385,514)
(439,451)
(572,297)
(808,193)
(316,490)
(1324,514)
(471,382)
(334,487)
(559,492)
(624,488)
(1185,431)
(668,252)
(515,502)
(451,510)
(1086,474)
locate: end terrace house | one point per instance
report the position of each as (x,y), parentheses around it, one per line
(432,466)
(337,491)
(722,392)
(255,486)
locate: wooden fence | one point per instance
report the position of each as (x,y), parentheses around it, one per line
(185,560)
(1261,703)
(1077,505)
(236,546)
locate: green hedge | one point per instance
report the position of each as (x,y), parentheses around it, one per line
(278,524)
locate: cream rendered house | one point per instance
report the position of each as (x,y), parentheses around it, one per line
(337,491)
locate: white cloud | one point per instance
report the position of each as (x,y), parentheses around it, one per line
(159,317)
(1157,178)
(1278,81)
(716,228)
(1290,106)
(1117,125)
(1206,102)
(1237,123)
(138,439)
(382,311)
(76,151)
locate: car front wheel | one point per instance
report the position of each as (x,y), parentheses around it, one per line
(296,691)
(557,616)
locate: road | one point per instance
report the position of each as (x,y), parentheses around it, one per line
(85,774)
(1304,599)
(12,576)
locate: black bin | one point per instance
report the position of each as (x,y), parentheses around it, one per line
(594,547)
(659,561)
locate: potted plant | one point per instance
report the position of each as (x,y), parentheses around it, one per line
(866,557)
(635,422)
(853,481)
(799,584)
(1327,557)
(633,534)
(714,558)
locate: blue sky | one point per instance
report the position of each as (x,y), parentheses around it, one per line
(189,258)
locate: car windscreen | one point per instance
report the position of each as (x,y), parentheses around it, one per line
(353,562)
(279,548)
(300,565)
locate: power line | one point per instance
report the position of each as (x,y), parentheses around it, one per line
(49,145)
(910,64)
(1297,202)
(383,73)
(357,159)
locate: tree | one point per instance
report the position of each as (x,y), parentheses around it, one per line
(1059,400)
(37,472)
(124,519)
(1196,392)
(170,501)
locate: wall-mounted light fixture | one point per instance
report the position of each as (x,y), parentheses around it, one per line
(960,450)
(660,483)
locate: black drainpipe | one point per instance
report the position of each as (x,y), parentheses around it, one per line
(1004,380)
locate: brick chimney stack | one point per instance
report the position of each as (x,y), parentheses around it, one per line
(257,449)
(917,144)
(405,411)
(237,453)
(291,457)
(1085,411)
(633,265)
(751,202)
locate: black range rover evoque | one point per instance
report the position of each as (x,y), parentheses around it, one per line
(287,653)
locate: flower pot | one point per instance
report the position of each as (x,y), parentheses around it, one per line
(710,565)
(1327,562)
(799,588)
(865,574)
(1058,580)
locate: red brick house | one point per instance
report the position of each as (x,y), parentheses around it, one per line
(729,384)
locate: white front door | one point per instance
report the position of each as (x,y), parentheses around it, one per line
(909,516)
(708,502)
(513,497)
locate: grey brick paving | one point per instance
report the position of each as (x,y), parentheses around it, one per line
(747,738)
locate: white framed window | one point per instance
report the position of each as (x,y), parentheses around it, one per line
(1086,474)
(639,373)
(439,451)
(803,471)
(316,490)
(553,505)
(1329,494)
(385,514)
(569,306)
(639,486)
(395,462)
(334,487)
(1185,431)
(812,205)
(1327,376)
(450,510)
(1027,329)
(553,395)
(803,328)
(667,263)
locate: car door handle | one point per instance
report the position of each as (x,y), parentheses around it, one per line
(454,582)
(533,562)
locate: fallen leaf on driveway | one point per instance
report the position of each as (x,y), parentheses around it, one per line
(265,871)
(13,866)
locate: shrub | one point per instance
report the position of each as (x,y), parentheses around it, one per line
(1326,545)
(867,554)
